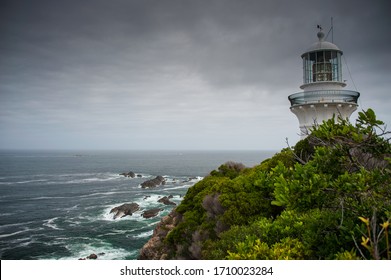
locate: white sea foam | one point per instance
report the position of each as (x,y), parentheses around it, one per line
(177,187)
(103,194)
(116,232)
(103,250)
(46,197)
(16,224)
(5,214)
(22,182)
(143,234)
(69,208)
(51,223)
(15,233)
(92,178)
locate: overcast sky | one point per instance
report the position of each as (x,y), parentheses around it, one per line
(166,74)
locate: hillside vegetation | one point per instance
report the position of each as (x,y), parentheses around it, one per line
(328,197)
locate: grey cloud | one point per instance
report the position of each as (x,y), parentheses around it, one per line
(119,72)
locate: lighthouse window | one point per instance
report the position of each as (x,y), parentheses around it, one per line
(322,68)
(308,61)
(328,55)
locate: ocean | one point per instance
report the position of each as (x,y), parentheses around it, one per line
(56,204)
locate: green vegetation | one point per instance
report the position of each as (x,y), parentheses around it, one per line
(329,197)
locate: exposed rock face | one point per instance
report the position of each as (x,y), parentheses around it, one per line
(128,174)
(151,213)
(124,210)
(166,200)
(159,180)
(155,249)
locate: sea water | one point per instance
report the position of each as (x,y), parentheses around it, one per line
(56,204)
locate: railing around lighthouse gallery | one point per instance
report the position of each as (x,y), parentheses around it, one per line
(324,96)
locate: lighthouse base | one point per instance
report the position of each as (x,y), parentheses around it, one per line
(310,115)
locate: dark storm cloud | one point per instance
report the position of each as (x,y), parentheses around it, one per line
(74,72)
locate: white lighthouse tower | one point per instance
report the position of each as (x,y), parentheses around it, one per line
(323,96)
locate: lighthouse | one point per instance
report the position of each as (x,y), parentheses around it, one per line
(323,95)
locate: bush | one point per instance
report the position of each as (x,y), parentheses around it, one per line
(303,203)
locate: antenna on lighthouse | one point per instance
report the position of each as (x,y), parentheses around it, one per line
(331,30)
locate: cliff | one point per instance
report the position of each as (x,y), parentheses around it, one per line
(155,249)
(328,197)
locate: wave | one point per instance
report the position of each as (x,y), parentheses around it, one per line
(46,197)
(86,178)
(75,207)
(51,223)
(15,233)
(104,251)
(23,182)
(14,225)
(51,179)
(115,232)
(6,214)
(168,188)
(103,194)
(142,235)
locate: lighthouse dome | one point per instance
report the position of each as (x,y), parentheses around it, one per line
(322,45)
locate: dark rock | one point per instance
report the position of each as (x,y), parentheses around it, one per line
(151,213)
(139,176)
(92,257)
(159,180)
(147,196)
(124,210)
(166,201)
(128,174)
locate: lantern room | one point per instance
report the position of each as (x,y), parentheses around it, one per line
(322,63)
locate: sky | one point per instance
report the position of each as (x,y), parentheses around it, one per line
(176,74)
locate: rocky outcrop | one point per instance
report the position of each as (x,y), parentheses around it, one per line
(166,200)
(92,257)
(124,210)
(147,214)
(129,174)
(155,248)
(159,180)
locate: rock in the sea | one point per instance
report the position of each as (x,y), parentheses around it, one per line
(159,180)
(166,200)
(128,174)
(92,257)
(151,213)
(124,210)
